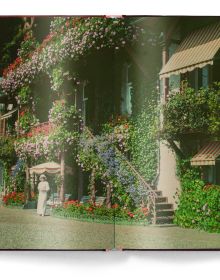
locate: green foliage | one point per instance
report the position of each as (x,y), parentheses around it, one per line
(199,205)
(57,23)
(64,115)
(24,95)
(26,120)
(144,139)
(192,111)
(9,48)
(28,45)
(214,109)
(7,151)
(119,130)
(57,78)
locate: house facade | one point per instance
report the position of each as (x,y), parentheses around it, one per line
(190,54)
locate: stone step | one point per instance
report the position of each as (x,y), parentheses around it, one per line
(164,213)
(162,206)
(161,199)
(159,193)
(164,220)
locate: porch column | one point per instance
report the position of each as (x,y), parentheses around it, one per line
(27,184)
(92,186)
(165,81)
(32,182)
(62,175)
(108,195)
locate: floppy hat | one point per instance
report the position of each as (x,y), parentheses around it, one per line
(42,176)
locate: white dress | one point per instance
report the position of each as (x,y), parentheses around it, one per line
(43,188)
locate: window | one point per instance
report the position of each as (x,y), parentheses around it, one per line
(174,83)
(126,91)
(174,80)
(212,173)
(197,78)
(205,76)
(2,107)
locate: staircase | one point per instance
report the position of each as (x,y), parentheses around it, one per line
(164,210)
(161,211)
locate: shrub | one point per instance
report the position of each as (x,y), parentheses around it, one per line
(192,111)
(17,198)
(14,198)
(199,204)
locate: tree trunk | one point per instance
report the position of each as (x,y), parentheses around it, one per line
(176,149)
(62,175)
(92,186)
(80,183)
(108,195)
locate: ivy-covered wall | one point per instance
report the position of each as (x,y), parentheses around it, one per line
(144,145)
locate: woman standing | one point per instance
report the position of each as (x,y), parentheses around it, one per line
(43,188)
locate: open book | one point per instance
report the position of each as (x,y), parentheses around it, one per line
(109,133)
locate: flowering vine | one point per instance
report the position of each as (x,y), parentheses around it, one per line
(74,38)
(48,141)
(101,154)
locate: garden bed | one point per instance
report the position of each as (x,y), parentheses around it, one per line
(101,214)
(100,219)
(17,200)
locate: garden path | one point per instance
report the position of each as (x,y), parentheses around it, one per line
(24,229)
(164,237)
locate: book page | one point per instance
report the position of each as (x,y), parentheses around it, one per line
(109,133)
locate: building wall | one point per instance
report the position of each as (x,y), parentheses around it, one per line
(168,182)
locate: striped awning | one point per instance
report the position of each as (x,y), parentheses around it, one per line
(197,50)
(207,155)
(50,168)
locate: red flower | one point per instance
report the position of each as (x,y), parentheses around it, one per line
(130,214)
(12,66)
(89,209)
(114,206)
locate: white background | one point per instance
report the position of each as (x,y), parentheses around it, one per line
(109,265)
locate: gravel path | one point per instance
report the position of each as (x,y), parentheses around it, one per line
(164,237)
(24,229)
